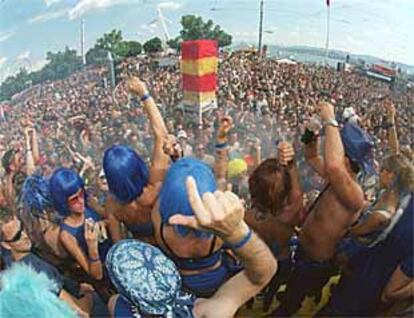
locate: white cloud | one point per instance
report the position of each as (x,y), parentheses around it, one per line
(84,6)
(50,2)
(169,5)
(37,65)
(48,16)
(3,60)
(5,35)
(23,55)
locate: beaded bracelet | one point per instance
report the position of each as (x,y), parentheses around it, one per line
(243,241)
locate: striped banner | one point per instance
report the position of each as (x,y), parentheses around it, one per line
(199,73)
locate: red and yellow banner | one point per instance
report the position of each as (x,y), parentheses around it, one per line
(199,71)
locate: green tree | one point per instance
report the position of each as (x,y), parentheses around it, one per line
(175,43)
(195,28)
(153,45)
(97,56)
(61,64)
(135,48)
(110,41)
(14,84)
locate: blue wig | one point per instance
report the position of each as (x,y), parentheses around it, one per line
(126,173)
(64,183)
(173,195)
(26,293)
(35,195)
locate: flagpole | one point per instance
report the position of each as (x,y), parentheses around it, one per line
(328,30)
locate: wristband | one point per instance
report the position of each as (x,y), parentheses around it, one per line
(94,260)
(145,97)
(221,146)
(243,241)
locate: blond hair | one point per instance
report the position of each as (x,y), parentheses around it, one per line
(403,170)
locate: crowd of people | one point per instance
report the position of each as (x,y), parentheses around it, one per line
(132,207)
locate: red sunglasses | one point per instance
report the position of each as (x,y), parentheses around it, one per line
(76,197)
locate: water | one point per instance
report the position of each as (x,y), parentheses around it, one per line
(303,57)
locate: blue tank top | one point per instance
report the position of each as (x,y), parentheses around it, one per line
(79,234)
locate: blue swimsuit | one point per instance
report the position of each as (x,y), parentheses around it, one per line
(79,234)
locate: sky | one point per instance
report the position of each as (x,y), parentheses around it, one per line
(30,28)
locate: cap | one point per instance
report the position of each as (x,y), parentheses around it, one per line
(182,134)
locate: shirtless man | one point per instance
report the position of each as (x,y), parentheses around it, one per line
(337,208)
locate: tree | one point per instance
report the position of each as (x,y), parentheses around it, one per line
(14,84)
(175,43)
(61,64)
(110,41)
(194,28)
(96,56)
(153,45)
(134,48)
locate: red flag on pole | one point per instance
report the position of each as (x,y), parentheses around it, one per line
(328,2)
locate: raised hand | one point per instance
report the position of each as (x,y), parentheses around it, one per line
(389,106)
(286,153)
(221,212)
(136,86)
(172,148)
(325,110)
(226,123)
(91,233)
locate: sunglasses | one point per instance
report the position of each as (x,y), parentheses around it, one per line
(76,197)
(16,237)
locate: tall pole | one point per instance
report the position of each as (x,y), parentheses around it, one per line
(83,41)
(328,31)
(261,27)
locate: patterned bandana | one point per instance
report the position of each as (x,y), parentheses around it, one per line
(146,277)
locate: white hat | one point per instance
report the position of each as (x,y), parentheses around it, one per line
(182,134)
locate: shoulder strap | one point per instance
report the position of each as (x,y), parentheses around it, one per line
(394,220)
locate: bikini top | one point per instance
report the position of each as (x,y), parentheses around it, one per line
(193,263)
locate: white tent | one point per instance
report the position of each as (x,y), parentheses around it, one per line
(286,61)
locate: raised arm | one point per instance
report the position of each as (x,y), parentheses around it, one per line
(295,196)
(222,213)
(313,157)
(392,130)
(346,189)
(222,151)
(35,145)
(92,264)
(30,162)
(159,160)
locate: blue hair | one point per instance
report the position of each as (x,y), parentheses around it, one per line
(27,293)
(126,173)
(64,183)
(173,196)
(35,195)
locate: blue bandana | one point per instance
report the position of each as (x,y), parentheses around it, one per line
(146,277)
(358,147)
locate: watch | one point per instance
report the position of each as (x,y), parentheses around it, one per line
(331,122)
